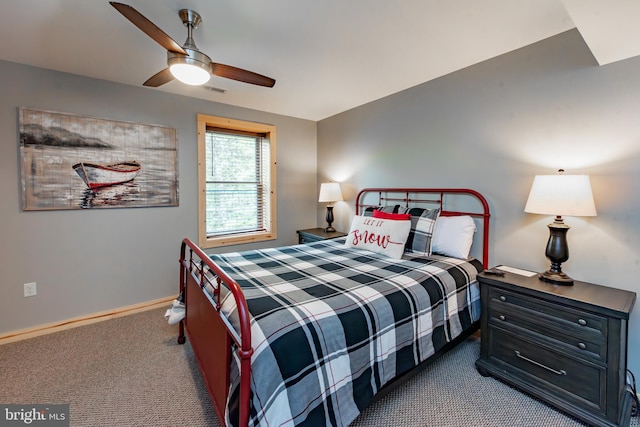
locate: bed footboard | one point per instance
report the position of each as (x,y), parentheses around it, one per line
(209,331)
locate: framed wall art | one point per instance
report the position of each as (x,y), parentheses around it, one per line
(76,162)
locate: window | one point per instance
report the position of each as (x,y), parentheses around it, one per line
(236,181)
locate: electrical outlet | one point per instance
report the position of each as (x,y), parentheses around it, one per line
(30,289)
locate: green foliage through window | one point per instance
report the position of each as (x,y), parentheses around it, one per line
(237,182)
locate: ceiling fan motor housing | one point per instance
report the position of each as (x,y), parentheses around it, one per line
(195,58)
(179,64)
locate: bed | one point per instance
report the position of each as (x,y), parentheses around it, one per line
(312,334)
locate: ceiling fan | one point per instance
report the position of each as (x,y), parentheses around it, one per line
(186,63)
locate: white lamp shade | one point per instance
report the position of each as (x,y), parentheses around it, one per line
(562,195)
(330,192)
(190,74)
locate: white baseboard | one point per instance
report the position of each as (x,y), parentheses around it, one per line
(48,328)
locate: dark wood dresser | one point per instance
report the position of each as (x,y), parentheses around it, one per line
(316,234)
(566,345)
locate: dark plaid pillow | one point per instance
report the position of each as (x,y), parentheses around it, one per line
(423,222)
(388,209)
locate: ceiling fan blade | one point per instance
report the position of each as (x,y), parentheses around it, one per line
(159,78)
(148,27)
(241,75)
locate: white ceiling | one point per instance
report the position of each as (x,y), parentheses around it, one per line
(327,56)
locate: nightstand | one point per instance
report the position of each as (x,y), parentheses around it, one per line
(316,234)
(566,345)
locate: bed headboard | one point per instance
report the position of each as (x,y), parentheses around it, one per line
(451,201)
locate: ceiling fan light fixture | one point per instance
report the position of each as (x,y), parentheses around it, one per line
(190,69)
(190,74)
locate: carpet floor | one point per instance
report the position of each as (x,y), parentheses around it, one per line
(130,371)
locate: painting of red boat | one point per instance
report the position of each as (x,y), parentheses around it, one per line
(96,176)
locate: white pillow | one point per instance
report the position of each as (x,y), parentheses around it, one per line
(384,236)
(453,236)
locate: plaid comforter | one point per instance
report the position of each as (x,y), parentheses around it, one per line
(331,325)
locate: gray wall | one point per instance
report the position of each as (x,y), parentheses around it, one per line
(87,261)
(495,125)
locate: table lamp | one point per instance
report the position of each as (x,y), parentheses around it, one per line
(559,195)
(329,193)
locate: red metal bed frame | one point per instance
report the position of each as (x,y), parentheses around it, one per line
(210,333)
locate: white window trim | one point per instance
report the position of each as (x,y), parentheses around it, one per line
(241,238)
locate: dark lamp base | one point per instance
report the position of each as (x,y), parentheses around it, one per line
(557,252)
(329,218)
(557,278)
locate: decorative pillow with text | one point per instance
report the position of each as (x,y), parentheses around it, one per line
(383,236)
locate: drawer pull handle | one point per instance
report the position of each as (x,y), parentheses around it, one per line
(582,322)
(560,372)
(501,317)
(503,298)
(582,346)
